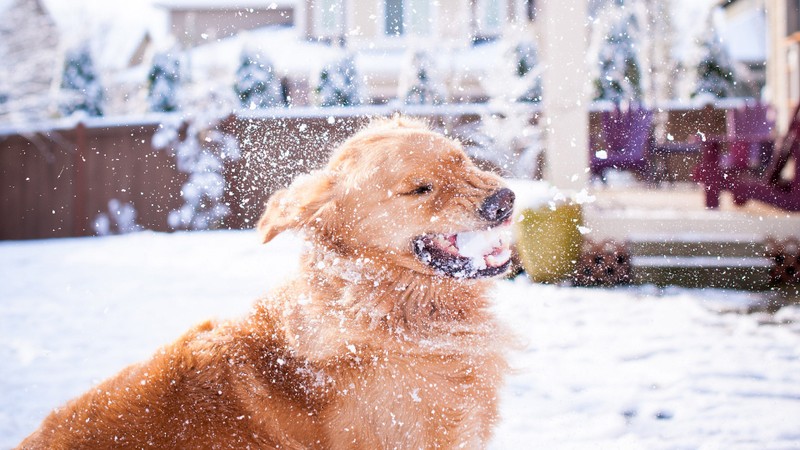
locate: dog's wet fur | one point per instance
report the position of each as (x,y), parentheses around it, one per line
(383,338)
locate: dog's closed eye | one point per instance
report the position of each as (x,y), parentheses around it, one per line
(422,189)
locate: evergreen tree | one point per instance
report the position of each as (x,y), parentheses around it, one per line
(201,151)
(28,52)
(504,137)
(80,84)
(256,84)
(517,76)
(163,81)
(424,89)
(338,84)
(618,77)
(527,58)
(715,72)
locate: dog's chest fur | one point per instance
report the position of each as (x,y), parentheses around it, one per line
(415,370)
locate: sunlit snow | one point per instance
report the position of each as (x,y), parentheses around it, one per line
(637,367)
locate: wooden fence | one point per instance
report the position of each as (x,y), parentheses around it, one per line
(56,181)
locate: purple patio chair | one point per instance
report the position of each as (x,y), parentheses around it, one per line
(624,141)
(769,187)
(750,138)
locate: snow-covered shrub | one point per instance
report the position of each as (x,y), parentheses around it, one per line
(256,83)
(527,58)
(505,139)
(201,155)
(29,47)
(80,85)
(163,82)
(209,94)
(419,83)
(120,219)
(614,56)
(517,75)
(339,84)
(505,136)
(715,70)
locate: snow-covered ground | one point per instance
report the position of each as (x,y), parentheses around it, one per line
(634,368)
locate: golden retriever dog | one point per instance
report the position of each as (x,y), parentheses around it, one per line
(383,339)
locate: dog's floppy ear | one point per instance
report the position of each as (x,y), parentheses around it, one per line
(298,205)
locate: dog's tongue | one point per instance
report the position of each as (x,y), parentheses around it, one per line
(485,248)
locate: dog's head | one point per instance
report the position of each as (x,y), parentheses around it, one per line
(400,193)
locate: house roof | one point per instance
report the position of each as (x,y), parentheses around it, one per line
(225,4)
(114,35)
(4,4)
(289,53)
(745,36)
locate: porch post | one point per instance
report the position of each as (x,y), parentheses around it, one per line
(779,83)
(566,95)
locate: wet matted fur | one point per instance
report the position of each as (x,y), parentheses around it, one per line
(383,338)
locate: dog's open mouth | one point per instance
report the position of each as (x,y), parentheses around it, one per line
(471,254)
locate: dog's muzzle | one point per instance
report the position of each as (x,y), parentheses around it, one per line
(473,254)
(497,208)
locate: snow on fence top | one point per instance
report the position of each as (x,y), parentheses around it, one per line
(453,109)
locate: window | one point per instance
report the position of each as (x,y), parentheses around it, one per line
(395,21)
(327,18)
(418,17)
(530,10)
(489,17)
(407,17)
(792,17)
(522,11)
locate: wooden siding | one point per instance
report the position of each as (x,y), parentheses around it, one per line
(55,183)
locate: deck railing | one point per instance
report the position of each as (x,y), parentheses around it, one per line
(58,177)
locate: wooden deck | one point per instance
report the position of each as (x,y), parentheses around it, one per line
(678,212)
(674,240)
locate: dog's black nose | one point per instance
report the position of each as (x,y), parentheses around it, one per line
(498,206)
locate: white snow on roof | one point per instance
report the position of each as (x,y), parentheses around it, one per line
(381,63)
(114,29)
(478,58)
(4,4)
(689,18)
(289,53)
(388,63)
(745,36)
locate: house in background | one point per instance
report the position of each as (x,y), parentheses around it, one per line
(381,34)
(467,40)
(745,37)
(783,57)
(29,42)
(124,57)
(195,22)
(359,24)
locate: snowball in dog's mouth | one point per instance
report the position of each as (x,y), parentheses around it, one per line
(469,254)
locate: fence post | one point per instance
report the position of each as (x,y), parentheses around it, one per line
(80,183)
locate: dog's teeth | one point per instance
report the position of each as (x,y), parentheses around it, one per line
(478,263)
(499,259)
(425,257)
(446,243)
(477,244)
